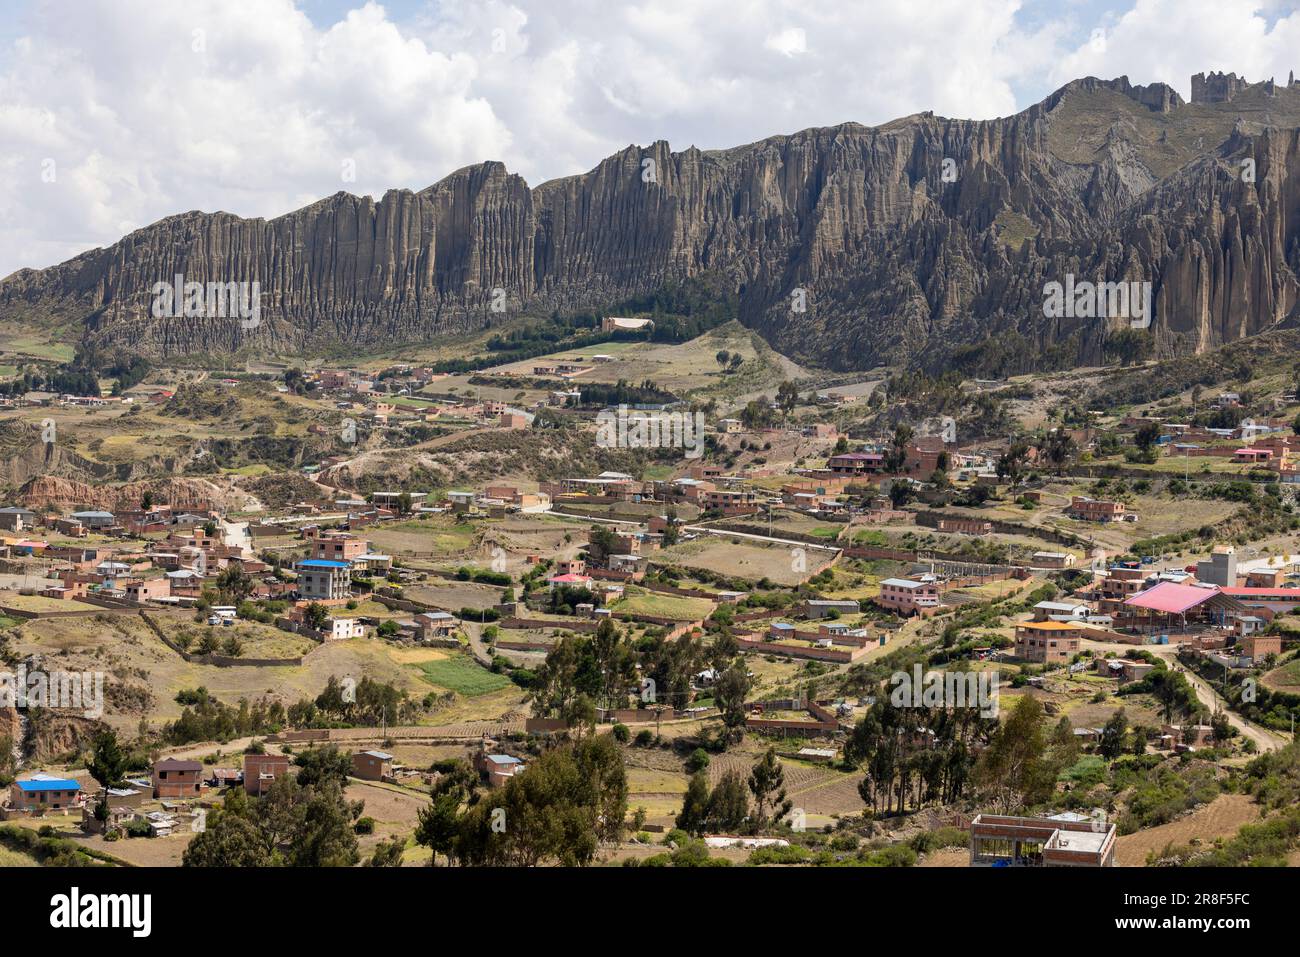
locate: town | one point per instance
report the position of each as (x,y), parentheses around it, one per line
(1092,612)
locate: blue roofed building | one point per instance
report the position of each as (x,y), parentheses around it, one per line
(321,579)
(44,792)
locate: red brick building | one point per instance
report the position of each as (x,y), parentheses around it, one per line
(177,779)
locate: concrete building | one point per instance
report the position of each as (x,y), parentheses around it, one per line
(1066,840)
(1220,568)
(321,579)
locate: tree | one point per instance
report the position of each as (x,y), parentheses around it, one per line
(728,804)
(1011,463)
(325,837)
(229,840)
(146,500)
(316,616)
(438,824)
(108,764)
(787,396)
(729,692)
(767,784)
(1111,745)
(321,765)
(1147,435)
(723,356)
(695,804)
(388,853)
(1013,768)
(557,810)
(234,583)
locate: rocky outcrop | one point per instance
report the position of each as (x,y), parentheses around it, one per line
(904,240)
(52,492)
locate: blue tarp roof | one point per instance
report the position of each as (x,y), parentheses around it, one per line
(321,563)
(49,784)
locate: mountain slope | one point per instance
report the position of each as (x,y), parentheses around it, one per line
(1102,180)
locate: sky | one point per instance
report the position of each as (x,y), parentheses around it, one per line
(116,113)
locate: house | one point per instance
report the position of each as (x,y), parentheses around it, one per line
(498,768)
(261,770)
(372,765)
(1061,611)
(1095,510)
(44,792)
(434,624)
(826,608)
(1058,841)
(908,597)
(15,519)
(339,548)
(321,579)
(856,463)
(341,629)
(1053,560)
(94,520)
(1256,647)
(1047,642)
(177,779)
(570,566)
(148,590)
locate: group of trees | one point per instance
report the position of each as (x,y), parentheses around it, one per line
(914,756)
(557,811)
(605,669)
(727,806)
(300,822)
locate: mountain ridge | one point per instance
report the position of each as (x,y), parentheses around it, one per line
(1101,179)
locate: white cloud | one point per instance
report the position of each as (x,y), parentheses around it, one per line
(263,116)
(790,41)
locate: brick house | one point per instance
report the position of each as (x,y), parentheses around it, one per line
(44,792)
(372,765)
(177,779)
(1047,642)
(261,771)
(1095,510)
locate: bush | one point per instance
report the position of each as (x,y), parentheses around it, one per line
(698,761)
(621,733)
(645,738)
(137,827)
(365,825)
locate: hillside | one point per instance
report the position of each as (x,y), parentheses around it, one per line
(1102,180)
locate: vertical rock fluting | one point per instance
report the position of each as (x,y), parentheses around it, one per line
(915,236)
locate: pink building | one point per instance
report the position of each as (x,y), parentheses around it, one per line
(908,597)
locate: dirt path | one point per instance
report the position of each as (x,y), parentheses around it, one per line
(1264,739)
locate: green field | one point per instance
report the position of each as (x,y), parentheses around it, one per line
(462,675)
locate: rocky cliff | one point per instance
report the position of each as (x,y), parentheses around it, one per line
(848,245)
